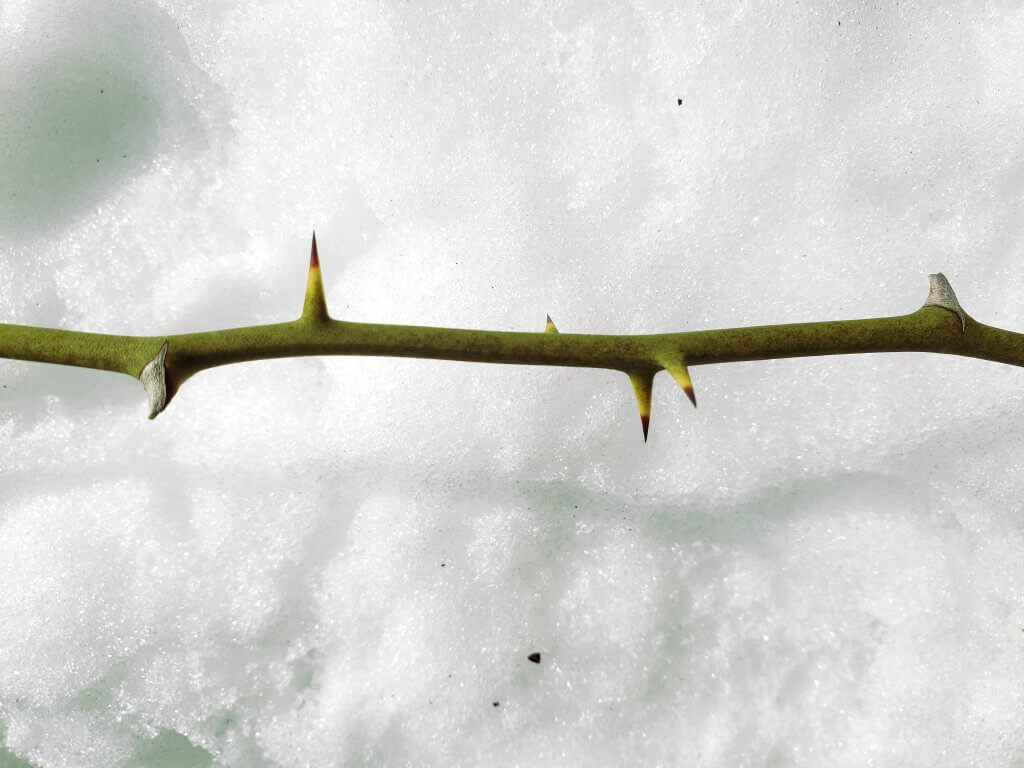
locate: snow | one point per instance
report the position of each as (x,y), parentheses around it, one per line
(347,561)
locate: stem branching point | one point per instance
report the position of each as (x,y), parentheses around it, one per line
(164,363)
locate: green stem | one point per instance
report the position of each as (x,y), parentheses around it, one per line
(939,326)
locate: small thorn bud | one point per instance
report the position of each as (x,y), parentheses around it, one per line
(550,327)
(643,382)
(940,294)
(314,308)
(154,379)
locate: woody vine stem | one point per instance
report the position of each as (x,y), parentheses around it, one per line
(164,363)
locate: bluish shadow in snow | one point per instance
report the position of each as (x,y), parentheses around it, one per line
(91,93)
(169,750)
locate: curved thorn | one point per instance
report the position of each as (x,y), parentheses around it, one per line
(550,327)
(681,374)
(643,382)
(315,306)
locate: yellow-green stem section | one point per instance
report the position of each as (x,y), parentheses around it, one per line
(929,329)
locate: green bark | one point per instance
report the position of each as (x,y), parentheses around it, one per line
(939,326)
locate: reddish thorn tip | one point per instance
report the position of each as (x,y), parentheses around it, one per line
(314,257)
(646,421)
(689,394)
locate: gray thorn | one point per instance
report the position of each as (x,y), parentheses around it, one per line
(154,379)
(940,294)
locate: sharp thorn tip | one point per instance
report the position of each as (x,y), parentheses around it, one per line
(314,256)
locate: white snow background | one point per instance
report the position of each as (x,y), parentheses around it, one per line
(346,561)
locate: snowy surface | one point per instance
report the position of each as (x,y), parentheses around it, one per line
(346,561)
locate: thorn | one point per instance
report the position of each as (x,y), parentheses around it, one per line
(643,381)
(681,374)
(940,294)
(154,379)
(550,327)
(315,307)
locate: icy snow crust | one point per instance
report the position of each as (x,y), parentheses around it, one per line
(347,561)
